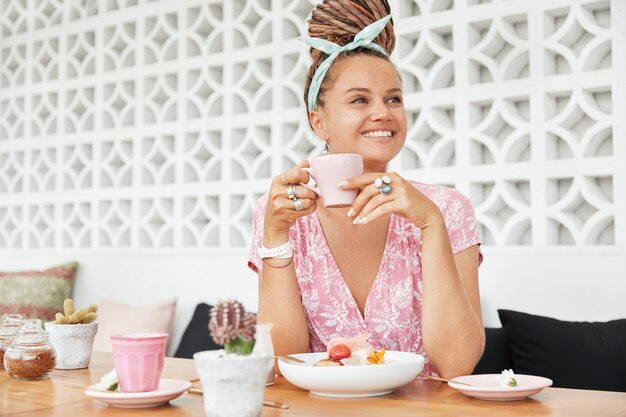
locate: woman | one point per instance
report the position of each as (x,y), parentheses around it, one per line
(400,263)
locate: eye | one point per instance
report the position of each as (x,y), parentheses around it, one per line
(359,100)
(395,99)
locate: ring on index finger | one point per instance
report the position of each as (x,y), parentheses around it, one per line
(291,192)
(298,204)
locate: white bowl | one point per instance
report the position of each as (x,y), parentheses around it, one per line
(399,369)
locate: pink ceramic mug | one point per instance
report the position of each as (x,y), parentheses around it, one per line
(328,170)
(139,360)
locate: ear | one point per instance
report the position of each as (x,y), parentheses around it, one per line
(316,119)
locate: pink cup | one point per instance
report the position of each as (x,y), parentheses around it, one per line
(139,359)
(328,170)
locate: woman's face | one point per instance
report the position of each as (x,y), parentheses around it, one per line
(363,111)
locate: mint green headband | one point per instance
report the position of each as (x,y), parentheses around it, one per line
(363,39)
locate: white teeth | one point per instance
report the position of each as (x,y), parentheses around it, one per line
(382,133)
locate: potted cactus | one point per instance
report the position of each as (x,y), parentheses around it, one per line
(233,378)
(72,334)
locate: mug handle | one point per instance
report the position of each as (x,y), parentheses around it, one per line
(311,185)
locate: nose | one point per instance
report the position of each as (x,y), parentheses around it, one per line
(380,111)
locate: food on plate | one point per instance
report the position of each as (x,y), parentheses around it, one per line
(376,357)
(507,379)
(352,351)
(327,362)
(339,352)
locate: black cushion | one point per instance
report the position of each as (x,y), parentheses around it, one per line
(582,355)
(497,355)
(197,337)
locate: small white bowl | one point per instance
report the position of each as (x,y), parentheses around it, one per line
(400,368)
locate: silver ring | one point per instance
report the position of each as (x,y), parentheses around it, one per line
(298,204)
(383,184)
(291,192)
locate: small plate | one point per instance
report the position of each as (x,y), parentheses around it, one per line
(486,387)
(399,369)
(168,390)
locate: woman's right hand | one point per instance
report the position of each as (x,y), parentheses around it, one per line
(281,212)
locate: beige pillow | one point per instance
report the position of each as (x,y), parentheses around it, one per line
(117,318)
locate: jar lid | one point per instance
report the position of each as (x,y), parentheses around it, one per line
(31,333)
(8,330)
(36,322)
(11,317)
(12,320)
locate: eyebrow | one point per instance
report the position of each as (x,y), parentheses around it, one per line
(367,90)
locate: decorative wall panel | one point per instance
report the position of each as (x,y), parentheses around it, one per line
(137,124)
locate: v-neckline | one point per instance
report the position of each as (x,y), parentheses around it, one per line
(344,284)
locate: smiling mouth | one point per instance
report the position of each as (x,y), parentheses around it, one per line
(379,134)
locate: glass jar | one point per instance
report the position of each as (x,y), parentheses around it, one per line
(6,339)
(31,355)
(10,325)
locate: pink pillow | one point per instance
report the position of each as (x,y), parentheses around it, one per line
(117,318)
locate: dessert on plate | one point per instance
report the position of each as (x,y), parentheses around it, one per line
(352,351)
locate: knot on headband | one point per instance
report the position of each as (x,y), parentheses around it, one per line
(363,39)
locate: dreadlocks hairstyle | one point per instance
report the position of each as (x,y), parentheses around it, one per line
(338,21)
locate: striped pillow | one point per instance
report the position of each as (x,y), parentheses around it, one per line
(36,294)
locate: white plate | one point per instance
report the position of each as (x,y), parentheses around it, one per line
(399,369)
(168,390)
(486,387)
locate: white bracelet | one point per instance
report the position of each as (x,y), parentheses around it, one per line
(283,251)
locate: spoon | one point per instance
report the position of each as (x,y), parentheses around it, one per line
(436,378)
(290,358)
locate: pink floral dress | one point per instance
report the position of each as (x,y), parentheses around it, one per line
(393,310)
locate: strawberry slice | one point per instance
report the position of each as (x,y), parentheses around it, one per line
(339,352)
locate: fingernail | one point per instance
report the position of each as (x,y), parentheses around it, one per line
(356,220)
(351,212)
(363,220)
(342,183)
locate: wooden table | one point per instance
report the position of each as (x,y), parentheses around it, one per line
(63,396)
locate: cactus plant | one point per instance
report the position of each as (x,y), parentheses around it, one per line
(72,316)
(231,326)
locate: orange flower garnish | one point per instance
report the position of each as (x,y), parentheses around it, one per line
(375,357)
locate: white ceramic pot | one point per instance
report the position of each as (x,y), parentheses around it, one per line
(72,343)
(233,385)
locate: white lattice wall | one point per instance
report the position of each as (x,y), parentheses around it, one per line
(145,131)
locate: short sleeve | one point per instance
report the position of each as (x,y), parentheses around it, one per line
(460,220)
(458,214)
(254,261)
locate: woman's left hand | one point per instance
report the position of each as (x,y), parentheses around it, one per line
(404,200)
